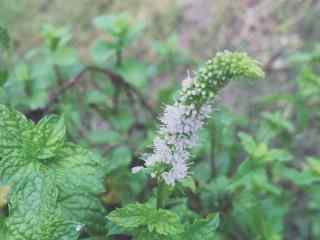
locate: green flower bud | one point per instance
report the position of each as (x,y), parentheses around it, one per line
(218,72)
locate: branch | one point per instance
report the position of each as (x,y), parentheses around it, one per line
(115,78)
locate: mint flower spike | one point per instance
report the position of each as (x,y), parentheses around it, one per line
(181,121)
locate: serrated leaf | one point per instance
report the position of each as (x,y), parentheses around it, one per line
(202,229)
(34,212)
(52,130)
(79,176)
(143,216)
(14,130)
(23,145)
(59,177)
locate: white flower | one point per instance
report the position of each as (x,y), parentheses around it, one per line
(177,135)
(162,149)
(172,118)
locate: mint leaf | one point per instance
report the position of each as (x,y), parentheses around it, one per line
(34,212)
(144,218)
(51,132)
(79,177)
(202,229)
(15,132)
(145,222)
(54,184)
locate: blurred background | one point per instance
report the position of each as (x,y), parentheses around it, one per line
(110,66)
(192,30)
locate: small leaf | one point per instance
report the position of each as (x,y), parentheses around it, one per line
(279,121)
(248,142)
(102,51)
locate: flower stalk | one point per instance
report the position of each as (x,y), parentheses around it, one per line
(161,195)
(181,121)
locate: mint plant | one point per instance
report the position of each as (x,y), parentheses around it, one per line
(171,148)
(239,177)
(118,35)
(53,184)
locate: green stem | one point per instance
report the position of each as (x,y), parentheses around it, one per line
(212,148)
(161,195)
(119,57)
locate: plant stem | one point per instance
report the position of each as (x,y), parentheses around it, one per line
(161,195)
(212,148)
(119,57)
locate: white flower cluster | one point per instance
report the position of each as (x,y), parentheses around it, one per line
(181,121)
(178,134)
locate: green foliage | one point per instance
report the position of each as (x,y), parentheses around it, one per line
(259,174)
(121,34)
(53,184)
(202,228)
(136,216)
(146,222)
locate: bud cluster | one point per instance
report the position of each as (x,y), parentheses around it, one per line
(216,74)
